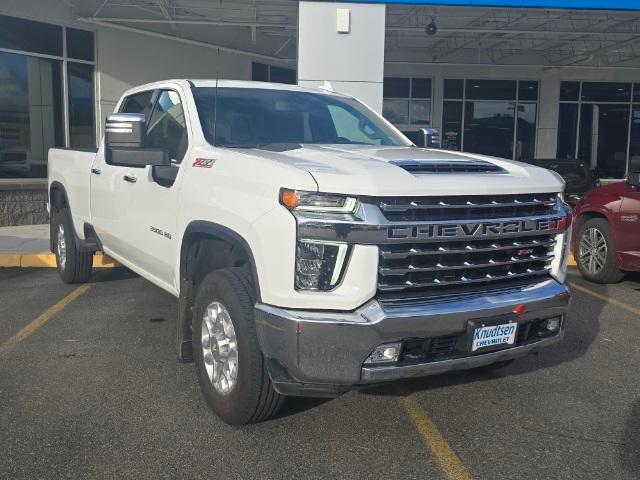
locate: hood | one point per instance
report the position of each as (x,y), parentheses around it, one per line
(383,171)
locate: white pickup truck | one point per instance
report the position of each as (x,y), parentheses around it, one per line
(312,247)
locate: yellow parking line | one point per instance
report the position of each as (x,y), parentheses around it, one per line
(448,460)
(39,322)
(612,301)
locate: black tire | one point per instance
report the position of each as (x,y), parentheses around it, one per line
(253,399)
(609,273)
(76,266)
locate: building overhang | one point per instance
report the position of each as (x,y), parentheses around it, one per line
(632,5)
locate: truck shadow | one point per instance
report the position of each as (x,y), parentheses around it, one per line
(629,449)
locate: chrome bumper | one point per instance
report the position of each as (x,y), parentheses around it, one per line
(323,352)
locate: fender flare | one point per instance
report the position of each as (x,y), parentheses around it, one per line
(82,245)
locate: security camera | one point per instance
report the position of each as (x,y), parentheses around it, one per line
(431,29)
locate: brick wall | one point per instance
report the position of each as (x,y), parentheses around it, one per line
(23,202)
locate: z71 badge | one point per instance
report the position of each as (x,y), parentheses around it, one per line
(204,162)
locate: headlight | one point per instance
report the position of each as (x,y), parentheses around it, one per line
(319,265)
(317,202)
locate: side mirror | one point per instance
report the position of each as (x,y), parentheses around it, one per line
(633,179)
(430,137)
(124,142)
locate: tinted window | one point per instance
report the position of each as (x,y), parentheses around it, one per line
(80,44)
(491,90)
(396,110)
(452,125)
(283,75)
(30,114)
(606,92)
(453,88)
(250,117)
(488,128)
(81,127)
(259,72)
(569,91)
(166,127)
(634,150)
(137,103)
(527,90)
(636,92)
(420,88)
(38,37)
(567,130)
(395,87)
(526,131)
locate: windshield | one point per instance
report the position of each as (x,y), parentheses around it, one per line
(254,117)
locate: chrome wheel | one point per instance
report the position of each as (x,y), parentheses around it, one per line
(61,246)
(219,348)
(593,251)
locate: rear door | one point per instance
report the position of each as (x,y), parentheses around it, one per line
(151,212)
(628,238)
(107,185)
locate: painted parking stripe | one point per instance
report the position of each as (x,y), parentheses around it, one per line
(612,301)
(449,462)
(43,318)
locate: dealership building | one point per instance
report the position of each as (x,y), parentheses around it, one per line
(523,79)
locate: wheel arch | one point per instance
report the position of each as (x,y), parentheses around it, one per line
(586,215)
(206,247)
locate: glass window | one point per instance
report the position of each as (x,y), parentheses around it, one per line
(491,89)
(81,115)
(259,72)
(283,75)
(80,44)
(606,92)
(137,103)
(569,91)
(30,36)
(488,128)
(526,131)
(395,87)
(613,129)
(420,88)
(30,114)
(585,133)
(567,130)
(420,112)
(250,117)
(452,126)
(634,151)
(527,90)
(636,92)
(166,127)
(396,111)
(453,89)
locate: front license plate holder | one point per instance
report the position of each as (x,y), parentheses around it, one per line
(492,333)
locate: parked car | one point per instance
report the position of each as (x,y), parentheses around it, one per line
(312,247)
(606,227)
(577,176)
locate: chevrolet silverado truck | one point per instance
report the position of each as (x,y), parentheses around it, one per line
(313,249)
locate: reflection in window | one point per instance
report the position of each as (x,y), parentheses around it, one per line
(526,131)
(407,101)
(396,111)
(80,84)
(452,126)
(567,130)
(30,114)
(167,128)
(261,72)
(634,151)
(488,128)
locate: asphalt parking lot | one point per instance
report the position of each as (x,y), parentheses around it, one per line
(92,389)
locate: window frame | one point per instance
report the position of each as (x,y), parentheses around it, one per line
(410,125)
(157,92)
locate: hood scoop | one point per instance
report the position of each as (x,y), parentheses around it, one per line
(426,167)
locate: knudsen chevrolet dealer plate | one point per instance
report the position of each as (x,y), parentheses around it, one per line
(494,336)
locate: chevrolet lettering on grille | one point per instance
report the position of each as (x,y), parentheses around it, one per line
(473,230)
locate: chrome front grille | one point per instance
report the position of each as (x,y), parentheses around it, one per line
(466,207)
(421,263)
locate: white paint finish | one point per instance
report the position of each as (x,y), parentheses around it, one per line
(353,62)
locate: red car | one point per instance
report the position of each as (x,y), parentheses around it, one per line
(606,231)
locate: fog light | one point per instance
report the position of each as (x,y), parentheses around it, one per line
(387,352)
(553,324)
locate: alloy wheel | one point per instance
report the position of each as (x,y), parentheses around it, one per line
(219,348)
(61,246)
(593,251)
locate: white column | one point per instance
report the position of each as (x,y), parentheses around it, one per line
(547,138)
(347,52)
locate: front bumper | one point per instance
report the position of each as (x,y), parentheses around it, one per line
(319,353)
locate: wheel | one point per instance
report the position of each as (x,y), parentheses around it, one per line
(229,363)
(596,253)
(73,266)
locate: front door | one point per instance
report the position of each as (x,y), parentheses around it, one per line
(628,241)
(150,215)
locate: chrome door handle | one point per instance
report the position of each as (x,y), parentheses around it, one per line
(130,179)
(96,171)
